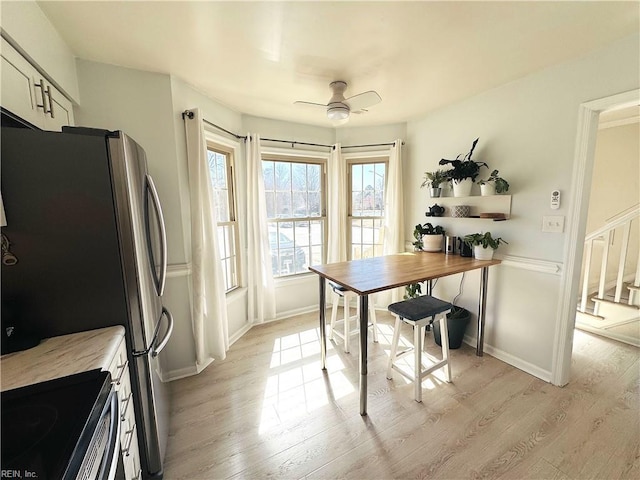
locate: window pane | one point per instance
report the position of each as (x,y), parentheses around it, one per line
(295,223)
(220,174)
(367,209)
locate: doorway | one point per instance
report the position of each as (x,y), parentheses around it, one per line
(608,303)
(588,118)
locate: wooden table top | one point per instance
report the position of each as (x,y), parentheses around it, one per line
(370,275)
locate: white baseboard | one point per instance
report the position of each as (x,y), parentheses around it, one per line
(179,373)
(512,360)
(236,336)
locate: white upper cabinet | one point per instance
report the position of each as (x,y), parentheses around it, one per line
(26,93)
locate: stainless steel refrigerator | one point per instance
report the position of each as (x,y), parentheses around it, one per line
(85,225)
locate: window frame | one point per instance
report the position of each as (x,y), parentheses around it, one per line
(309,157)
(362,158)
(231,149)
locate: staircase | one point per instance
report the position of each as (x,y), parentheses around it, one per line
(609,304)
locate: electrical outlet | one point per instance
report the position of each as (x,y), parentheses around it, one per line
(553,224)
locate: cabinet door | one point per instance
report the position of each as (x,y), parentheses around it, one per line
(18,93)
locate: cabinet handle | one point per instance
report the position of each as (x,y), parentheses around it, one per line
(128,441)
(44,96)
(125,406)
(122,368)
(50,102)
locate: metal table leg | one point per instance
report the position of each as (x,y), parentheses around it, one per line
(323,332)
(482,310)
(364,331)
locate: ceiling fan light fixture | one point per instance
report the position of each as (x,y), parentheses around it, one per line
(337,112)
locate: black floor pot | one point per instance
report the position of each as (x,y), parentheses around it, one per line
(457,322)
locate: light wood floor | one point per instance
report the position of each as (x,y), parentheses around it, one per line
(268,411)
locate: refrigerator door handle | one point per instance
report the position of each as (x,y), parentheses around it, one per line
(163,343)
(163,234)
(152,348)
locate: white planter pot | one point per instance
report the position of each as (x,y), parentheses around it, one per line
(481,253)
(462,188)
(432,243)
(487,189)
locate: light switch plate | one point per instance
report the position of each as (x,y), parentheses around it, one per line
(553,224)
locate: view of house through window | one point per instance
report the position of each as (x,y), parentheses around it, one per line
(221,172)
(367,180)
(294,191)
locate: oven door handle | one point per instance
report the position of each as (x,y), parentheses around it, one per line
(110,464)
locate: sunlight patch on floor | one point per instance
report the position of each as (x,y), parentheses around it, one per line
(296,384)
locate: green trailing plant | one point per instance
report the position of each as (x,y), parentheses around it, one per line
(501,184)
(434,179)
(484,239)
(464,167)
(417,234)
(413,290)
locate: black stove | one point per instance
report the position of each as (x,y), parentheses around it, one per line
(48,427)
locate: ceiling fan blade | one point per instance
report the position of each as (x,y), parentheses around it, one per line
(300,102)
(363,100)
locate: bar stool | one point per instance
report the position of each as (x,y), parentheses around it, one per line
(346,296)
(419,312)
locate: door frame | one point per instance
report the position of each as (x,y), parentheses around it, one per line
(588,116)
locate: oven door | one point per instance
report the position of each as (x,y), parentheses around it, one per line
(101,458)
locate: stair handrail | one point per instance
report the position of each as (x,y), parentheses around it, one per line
(619,221)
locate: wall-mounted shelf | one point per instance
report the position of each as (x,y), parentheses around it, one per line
(477,204)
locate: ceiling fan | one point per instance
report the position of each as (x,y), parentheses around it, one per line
(339,108)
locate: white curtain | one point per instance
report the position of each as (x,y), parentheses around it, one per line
(394,214)
(337,202)
(209,306)
(261,301)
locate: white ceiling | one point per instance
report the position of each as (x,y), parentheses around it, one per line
(259,57)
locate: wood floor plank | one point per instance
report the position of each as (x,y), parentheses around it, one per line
(268,411)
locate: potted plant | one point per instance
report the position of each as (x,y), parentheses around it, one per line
(433,180)
(413,290)
(428,238)
(483,244)
(464,171)
(494,184)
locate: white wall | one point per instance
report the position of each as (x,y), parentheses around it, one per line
(615,188)
(29,30)
(140,104)
(616,173)
(527,130)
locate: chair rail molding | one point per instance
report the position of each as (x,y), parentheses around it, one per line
(533,264)
(178,270)
(587,127)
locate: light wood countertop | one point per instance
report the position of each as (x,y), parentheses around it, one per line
(60,356)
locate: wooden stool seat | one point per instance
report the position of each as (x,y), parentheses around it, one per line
(419,312)
(346,295)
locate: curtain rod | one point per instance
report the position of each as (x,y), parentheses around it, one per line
(190,115)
